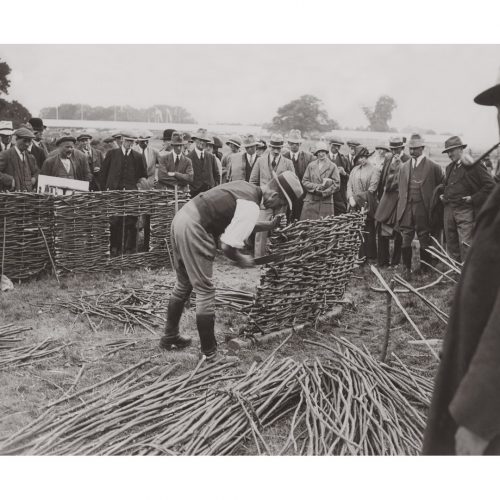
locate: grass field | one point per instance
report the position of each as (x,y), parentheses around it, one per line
(25,391)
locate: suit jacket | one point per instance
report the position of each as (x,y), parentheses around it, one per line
(205,174)
(151,158)
(39,153)
(114,174)
(11,165)
(183,172)
(238,167)
(303,160)
(467,386)
(433,176)
(261,173)
(53,166)
(389,174)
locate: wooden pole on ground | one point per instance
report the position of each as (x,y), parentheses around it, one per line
(49,254)
(388,310)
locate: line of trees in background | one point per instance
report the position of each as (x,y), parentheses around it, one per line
(12,111)
(160,113)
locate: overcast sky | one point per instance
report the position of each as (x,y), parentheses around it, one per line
(434,86)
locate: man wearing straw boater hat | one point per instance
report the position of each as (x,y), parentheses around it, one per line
(344,167)
(174,168)
(206,174)
(231,211)
(464,417)
(417,180)
(240,165)
(388,194)
(265,169)
(465,190)
(18,165)
(300,160)
(123,168)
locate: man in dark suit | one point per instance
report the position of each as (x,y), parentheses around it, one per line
(94,158)
(18,164)
(123,168)
(205,170)
(464,417)
(300,160)
(64,164)
(387,194)
(174,168)
(344,168)
(38,148)
(417,180)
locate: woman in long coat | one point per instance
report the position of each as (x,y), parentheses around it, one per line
(362,193)
(321,179)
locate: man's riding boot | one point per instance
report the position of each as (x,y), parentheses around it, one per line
(172,338)
(206,326)
(406,254)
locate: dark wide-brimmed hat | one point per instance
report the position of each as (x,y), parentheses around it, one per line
(65,138)
(491,96)
(37,124)
(291,187)
(453,143)
(361,152)
(176,139)
(217,142)
(167,134)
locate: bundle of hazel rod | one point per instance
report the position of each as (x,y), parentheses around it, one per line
(10,335)
(453,267)
(145,306)
(317,260)
(26,354)
(346,404)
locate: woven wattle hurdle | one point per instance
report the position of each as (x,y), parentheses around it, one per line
(312,278)
(77,230)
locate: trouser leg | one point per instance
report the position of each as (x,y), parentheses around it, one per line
(131,233)
(396,252)
(383,249)
(265,214)
(147,232)
(371,241)
(451,233)
(464,217)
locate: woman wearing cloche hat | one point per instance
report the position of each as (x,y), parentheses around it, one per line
(321,179)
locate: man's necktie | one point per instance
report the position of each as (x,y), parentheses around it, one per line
(176,160)
(273,163)
(201,157)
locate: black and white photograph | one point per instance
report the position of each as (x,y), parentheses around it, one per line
(249,249)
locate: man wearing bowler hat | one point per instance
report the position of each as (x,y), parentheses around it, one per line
(388,194)
(417,180)
(174,168)
(266,168)
(300,160)
(240,165)
(123,168)
(64,164)
(205,171)
(17,165)
(344,167)
(464,417)
(229,211)
(167,138)
(465,190)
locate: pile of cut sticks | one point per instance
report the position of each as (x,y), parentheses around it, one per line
(346,404)
(10,335)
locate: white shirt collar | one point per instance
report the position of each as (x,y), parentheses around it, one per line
(419,159)
(250,157)
(199,152)
(124,151)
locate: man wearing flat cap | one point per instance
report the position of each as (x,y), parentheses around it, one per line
(300,159)
(388,194)
(17,165)
(417,180)
(6,132)
(240,165)
(464,417)
(229,211)
(344,166)
(465,189)
(123,168)
(205,171)
(266,168)
(64,164)
(94,158)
